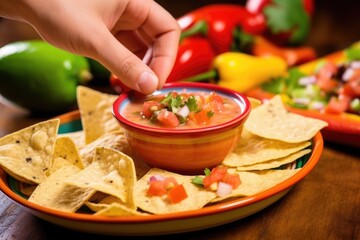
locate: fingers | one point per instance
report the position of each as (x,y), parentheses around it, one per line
(153,37)
(165,31)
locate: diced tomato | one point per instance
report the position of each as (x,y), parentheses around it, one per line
(337,105)
(328,70)
(214,97)
(325,77)
(232,179)
(216,175)
(327,84)
(170,182)
(149,107)
(156,188)
(177,194)
(200,118)
(168,119)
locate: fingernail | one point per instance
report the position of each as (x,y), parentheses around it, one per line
(148,82)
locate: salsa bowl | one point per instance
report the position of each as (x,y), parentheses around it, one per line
(182,149)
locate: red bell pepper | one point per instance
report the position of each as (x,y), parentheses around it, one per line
(288,21)
(217,22)
(195,56)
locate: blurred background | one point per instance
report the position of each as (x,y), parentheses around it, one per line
(335,25)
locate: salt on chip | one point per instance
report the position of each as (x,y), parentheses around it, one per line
(255,182)
(55,193)
(253,149)
(115,140)
(272,120)
(96,113)
(197,198)
(275,162)
(65,153)
(26,154)
(111,172)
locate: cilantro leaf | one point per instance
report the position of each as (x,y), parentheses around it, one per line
(353,52)
(197,180)
(191,103)
(288,16)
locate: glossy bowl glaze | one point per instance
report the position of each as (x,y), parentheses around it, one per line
(184,150)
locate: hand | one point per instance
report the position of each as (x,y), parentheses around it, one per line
(136,40)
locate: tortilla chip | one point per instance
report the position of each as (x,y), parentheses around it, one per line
(271,120)
(65,153)
(96,113)
(111,172)
(197,197)
(78,137)
(256,182)
(253,149)
(115,140)
(26,154)
(275,162)
(254,102)
(56,194)
(113,210)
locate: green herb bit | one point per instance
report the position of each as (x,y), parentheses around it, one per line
(197,180)
(191,103)
(210,114)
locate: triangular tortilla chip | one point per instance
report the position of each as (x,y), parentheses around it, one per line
(65,153)
(96,113)
(55,193)
(26,154)
(111,172)
(272,120)
(253,149)
(197,198)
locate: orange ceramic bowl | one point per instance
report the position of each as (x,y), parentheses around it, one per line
(180,150)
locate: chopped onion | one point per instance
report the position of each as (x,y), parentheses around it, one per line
(223,189)
(184,111)
(347,74)
(307,80)
(355,64)
(156,178)
(317,105)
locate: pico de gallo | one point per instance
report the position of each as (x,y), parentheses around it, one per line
(166,186)
(332,88)
(185,110)
(220,179)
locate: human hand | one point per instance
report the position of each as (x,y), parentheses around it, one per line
(136,40)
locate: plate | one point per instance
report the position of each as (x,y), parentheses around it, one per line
(207,217)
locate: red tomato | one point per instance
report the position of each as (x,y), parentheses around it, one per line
(337,105)
(232,179)
(216,175)
(149,107)
(170,182)
(168,119)
(200,118)
(156,188)
(177,194)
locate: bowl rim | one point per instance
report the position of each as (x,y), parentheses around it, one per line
(239,97)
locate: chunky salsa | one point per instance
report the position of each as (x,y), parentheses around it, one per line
(183,110)
(332,88)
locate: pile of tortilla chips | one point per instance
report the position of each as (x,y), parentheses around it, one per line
(93,170)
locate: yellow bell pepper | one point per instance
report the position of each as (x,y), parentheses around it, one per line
(242,72)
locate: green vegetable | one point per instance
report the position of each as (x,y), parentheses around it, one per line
(39,77)
(290,20)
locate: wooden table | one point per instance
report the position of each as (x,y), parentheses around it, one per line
(324,205)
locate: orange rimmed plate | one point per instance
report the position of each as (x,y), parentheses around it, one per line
(207,217)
